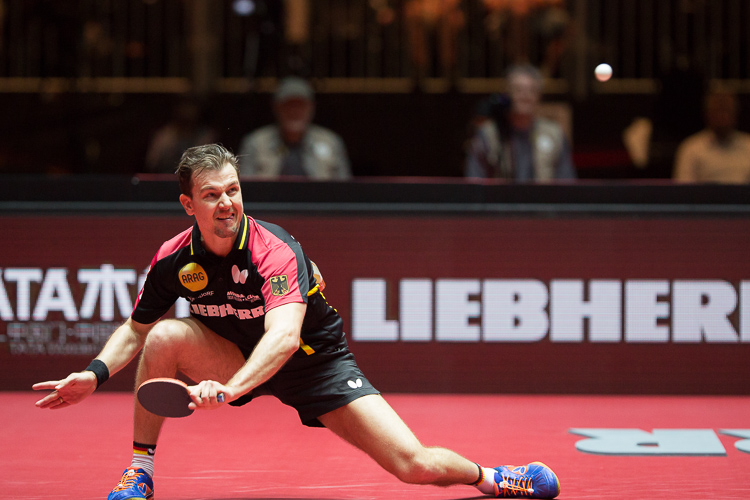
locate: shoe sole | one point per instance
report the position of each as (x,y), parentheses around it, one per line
(152,497)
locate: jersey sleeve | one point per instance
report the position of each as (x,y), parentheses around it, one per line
(283,267)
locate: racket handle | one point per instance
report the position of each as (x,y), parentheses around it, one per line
(220,397)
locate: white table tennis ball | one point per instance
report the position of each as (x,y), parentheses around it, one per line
(603,72)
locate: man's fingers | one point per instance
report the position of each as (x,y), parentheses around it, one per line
(49,385)
(58,403)
(206,395)
(42,403)
(66,392)
(50,400)
(195,395)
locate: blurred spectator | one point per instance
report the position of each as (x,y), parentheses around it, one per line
(294,146)
(297,34)
(518,24)
(97,47)
(515,143)
(186,129)
(433,19)
(677,113)
(719,153)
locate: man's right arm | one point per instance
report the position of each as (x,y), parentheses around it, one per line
(123,345)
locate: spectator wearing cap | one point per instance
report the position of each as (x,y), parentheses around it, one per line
(294,146)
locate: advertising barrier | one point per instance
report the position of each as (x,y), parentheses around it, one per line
(576,304)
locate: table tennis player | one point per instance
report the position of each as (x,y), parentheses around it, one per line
(260,325)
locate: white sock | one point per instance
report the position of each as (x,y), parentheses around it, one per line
(143,457)
(487,484)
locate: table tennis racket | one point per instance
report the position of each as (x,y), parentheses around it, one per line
(166,397)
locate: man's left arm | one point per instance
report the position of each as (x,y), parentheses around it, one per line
(283,325)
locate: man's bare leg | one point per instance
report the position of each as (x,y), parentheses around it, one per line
(171,345)
(370,424)
(188,346)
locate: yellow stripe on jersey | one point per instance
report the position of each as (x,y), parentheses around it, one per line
(244,233)
(329,305)
(309,350)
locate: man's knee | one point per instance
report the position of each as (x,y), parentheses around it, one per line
(415,467)
(164,336)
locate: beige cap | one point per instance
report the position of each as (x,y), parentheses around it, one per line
(293,87)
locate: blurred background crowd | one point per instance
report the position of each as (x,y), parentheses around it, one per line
(338,89)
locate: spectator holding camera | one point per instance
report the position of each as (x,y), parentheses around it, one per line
(515,143)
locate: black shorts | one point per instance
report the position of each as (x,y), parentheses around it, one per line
(315,385)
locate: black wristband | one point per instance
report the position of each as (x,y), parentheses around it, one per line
(100,370)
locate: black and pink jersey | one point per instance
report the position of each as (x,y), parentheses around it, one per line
(230,295)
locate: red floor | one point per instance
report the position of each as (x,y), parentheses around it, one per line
(261,451)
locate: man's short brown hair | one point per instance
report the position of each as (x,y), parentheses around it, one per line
(199,158)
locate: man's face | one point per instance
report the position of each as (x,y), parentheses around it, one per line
(216,202)
(524,94)
(721,113)
(294,115)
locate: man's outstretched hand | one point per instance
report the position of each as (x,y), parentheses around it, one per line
(69,391)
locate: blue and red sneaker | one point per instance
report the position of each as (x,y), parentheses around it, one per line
(534,480)
(135,483)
